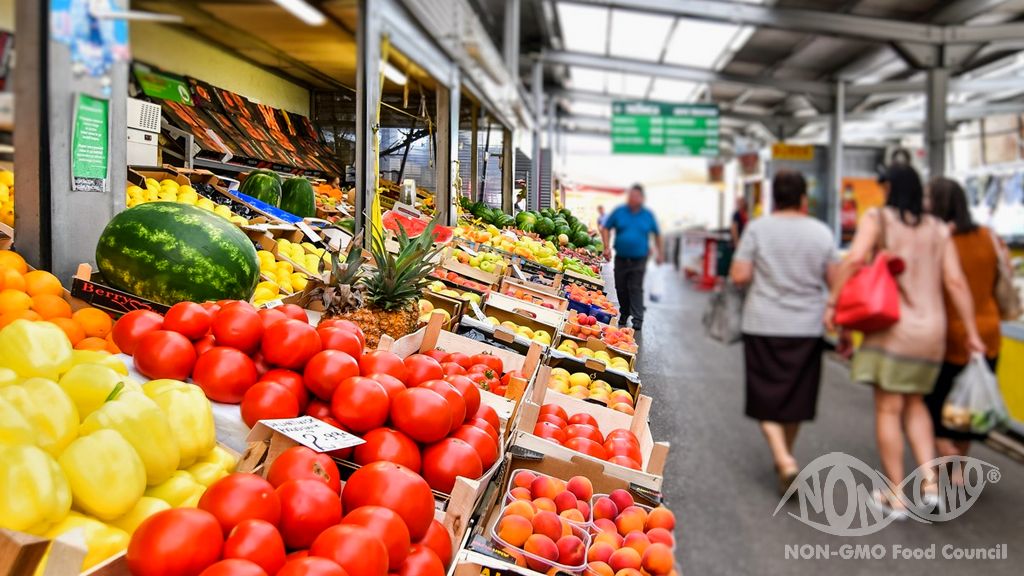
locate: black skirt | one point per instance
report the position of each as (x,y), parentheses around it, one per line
(783,376)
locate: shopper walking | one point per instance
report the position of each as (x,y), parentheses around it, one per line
(739,221)
(787,259)
(977,248)
(903,361)
(633,226)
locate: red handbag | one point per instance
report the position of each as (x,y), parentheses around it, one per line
(870,300)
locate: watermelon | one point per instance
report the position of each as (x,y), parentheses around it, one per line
(169,252)
(275,175)
(297,197)
(263,186)
(544,226)
(563,229)
(580,238)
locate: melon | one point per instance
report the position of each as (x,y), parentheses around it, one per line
(170,252)
(263,187)
(297,197)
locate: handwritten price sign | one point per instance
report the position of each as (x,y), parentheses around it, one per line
(313,433)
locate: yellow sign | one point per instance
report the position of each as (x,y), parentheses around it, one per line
(792,152)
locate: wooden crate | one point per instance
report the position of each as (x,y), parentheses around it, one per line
(518,319)
(550,316)
(6,237)
(546,293)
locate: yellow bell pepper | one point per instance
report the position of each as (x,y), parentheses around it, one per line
(99,357)
(48,409)
(34,349)
(101,540)
(33,490)
(89,385)
(105,473)
(14,426)
(206,473)
(177,489)
(144,426)
(189,414)
(226,460)
(144,508)
(8,377)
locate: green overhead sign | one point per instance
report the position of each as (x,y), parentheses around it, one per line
(640,127)
(163,86)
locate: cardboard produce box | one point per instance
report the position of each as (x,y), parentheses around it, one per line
(540,313)
(543,291)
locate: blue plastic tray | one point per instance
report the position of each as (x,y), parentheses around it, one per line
(268,209)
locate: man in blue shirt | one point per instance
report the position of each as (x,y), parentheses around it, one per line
(633,225)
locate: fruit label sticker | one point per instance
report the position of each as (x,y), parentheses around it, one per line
(308,431)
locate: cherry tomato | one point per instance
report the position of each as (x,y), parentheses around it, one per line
(308,507)
(224,374)
(290,380)
(392,385)
(439,540)
(311,566)
(319,409)
(131,327)
(436,354)
(395,487)
(423,415)
(290,344)
(269,316)
(470,393)
(490,360)
(257,541)
(175,541)
(387,526)
(458,358)
(301,463)
(481,441)
(361,404)
(326,369)
(383,362)
(422,368)
(204,344)
(164,354)
(189,319)
(335,338)
(447,459)
(238,328)
(488,413)
(455,400)
(356,549)
(485,426)
(387,444)
(234,567)
(268,401)
(422,561)
(241,496)
(346,325)
(294,312)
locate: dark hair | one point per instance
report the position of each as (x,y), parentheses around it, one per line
(638,188)
(906,194)
(949,202)
(788,190)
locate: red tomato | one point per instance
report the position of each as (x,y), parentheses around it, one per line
(294,312)
(392,385)
(583,418)
(269,316)
(308,507)
(361,404)
(290,343)
(318,409)
(470,393)
(257,541)
(454,398)
(388,445)
(345,325)
(623,447)
(488,413)
(492,362)
(553,418)
(241,496)
(422,368)
(204,344)
(234,567)
(481,441)
(482,381)
(189,319)
(449,458)
(326,369)
(626,461)
(260,363)
(436,354)
(211,307)
(238,328)
(164,354)
(335,338)
(584,431)
(423,415)
(311,566)
(387,526)
(586,446)
(356,549)
(458,358)
(301,463)
(486,427)
(623,433)
(556,410)
(439,540)
(395,487)
(175,542)
(224,374)
(422,561)
(549,431)
(452,369)
(268,401)
(131,327)
(290,380)
(383,362)
(233,304)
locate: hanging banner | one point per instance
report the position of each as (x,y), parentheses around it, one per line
(163,86)
(89,144)
(792,152)
(665,129)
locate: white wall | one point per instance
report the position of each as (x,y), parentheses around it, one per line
(7,15)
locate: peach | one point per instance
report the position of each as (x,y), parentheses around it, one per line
(600,569)
(610,538)
(620,396)
(606,525)
(544,487)
(565,501)
(548,524)
(600,552)
(622,499)
(605,507)
(573,515)
(571,550)
(545,504)
(657,559)
(581,487)
(520,508)
(566,527)
(521,494)
(584,508)
(544,547)
(637,541)
(623,558)
(661,517)
(661,535)
(517,557)
(514,530)
(631,519)
(524,479)
(622,407)
(629,572)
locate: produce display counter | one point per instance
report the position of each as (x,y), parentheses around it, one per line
(1011,372)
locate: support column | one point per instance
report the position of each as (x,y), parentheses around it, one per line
(533,199)
(368,39)
(474,155)
(511,44)
(508,171)
(937,92)
(447,149)
(835,161)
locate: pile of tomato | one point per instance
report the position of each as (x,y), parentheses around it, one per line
(485,370)
(299,521)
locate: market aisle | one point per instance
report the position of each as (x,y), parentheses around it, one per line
(720,480)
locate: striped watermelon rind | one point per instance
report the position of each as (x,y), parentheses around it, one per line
(169,252)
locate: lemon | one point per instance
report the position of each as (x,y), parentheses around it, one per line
(283,266)
(263,293)
(299,281)
(186,189)
(150,195)
(283,244)
(188,197)
(268,285)
(239,220)
(308,246)
(168,183)
(205,203)
(265,256)
(222,210)
(579,379)
(7,178)
(134,190)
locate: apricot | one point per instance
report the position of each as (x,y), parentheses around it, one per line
(548,524)
(637,541)
(606,525)
(624,558)
(544,547)
(629,572)
(600,552)
(566,527)
(610,538)
(622,499)
(600,569)
(523,479)
(657,559)
(573,515)
(520,493)
(631,519)
(571,550)
(660,517)
(604,507)
(514,530)
(581,487)
(520,508)
(565,501)
(661,535)
(546,504)
(584,508)
(544,487)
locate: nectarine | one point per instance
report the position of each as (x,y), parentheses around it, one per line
(546,504)
(520,493)
(543,547)
(523,479)
(661,535)
(548,524)
(657,559)
(599,569)
(624,558)
(571,550)
(661,517)
(545,487)
(637,541)
(514,530)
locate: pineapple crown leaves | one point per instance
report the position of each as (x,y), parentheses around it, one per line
(399,278)
(341,292)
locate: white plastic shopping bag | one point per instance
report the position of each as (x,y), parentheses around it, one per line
(658,278)
(975,403)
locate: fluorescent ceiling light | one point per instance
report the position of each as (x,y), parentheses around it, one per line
(394,74)
(584,28)
(303,11)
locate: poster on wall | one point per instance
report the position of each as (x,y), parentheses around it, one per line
(859,196)
(89,144)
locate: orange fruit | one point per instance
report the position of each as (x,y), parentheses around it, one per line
(91,343)
(42,282)
(13,301)
(10,279)
(94,321)
(49,306)
(111,345)
(13,260)
(71,328)
(9,317)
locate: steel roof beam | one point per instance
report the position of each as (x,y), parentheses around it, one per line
(956,85)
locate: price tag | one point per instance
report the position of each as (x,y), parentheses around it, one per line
(309,232)
(313,433)
(274,303)
(478,312)
(519,273)
(468,250)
